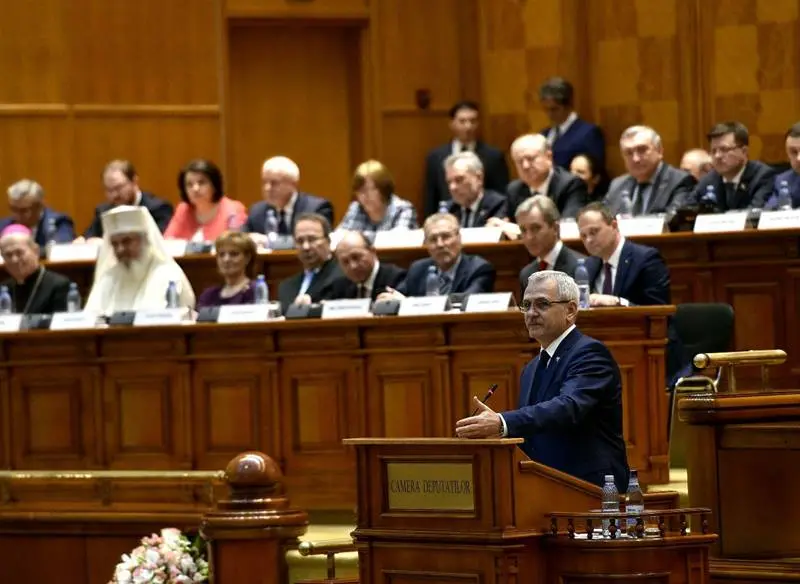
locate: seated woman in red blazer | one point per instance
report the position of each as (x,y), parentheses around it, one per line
(205,212)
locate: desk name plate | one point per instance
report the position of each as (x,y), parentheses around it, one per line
(430,486)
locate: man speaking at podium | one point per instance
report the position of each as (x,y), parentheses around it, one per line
(570,399)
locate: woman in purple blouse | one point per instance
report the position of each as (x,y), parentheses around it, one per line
(236,262)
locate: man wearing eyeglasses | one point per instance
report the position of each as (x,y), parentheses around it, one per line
(570,397)
(458,273)
(317,281)
(735,181)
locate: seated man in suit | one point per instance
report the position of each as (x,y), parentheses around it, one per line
(365,275)
(568,135)
(651,186)
(282,201)
(735,182)
(538,176)
(472,203)
(464,119)
(26,202)
(312,240)
(33,289)
(696,162)
(122,188)
(537,218)
(786,186)
(621,273)
(570,396)
(459,273)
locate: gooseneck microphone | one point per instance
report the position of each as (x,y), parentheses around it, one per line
(490,393)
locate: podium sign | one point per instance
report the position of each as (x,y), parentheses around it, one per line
(430,486)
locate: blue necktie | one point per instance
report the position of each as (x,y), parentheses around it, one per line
(306,283)
(538,377)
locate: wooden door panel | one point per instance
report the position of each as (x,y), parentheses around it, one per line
(235,410)
(146,411)
(54,420)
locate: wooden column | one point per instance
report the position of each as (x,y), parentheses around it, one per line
(250,531)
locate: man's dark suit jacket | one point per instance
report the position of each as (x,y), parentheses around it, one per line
(495,173)
(159,209)
(792,180)
(474,275)
(321,288)
(670,188)
(571,419)
(581,138)
(567,190)
(753,190)
(53,226)
(51,296)
(642,276)
(493,204)
(566,261)
(305,203)
(388,275)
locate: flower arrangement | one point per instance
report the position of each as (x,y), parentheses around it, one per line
(168,558)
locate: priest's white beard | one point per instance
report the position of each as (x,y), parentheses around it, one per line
(131,279)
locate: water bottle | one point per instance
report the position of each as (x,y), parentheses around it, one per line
(582,280)
(710,196)
(261,290)
(610,501)
(50,238)
(5,301)
(634,501)
(73,298)
(625,205)
(444,206)
(784,197)
(172,295)
(432,282)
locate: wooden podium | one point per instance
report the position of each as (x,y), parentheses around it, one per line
(744,464)
(478,511)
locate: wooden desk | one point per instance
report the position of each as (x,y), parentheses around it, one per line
(758,273)
(744,464)
(194,396)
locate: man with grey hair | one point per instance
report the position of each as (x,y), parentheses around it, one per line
(570,396)
(533,160)
(651,186)
(277,214)
(26,203)
(537,218)
(471,202)
(696,162)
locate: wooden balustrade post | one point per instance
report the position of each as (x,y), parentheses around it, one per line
(250,531)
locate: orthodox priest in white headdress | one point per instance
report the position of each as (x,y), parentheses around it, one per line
(134,268)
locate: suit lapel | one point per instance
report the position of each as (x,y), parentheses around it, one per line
(622,269)
(461,272)
(544,388)
(657,190)
(741,189)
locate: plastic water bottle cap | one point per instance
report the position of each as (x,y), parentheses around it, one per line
(609,478)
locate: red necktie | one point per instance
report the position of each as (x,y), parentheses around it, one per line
(542,265)
(608,285)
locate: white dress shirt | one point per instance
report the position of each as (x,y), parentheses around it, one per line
(288,211)
(457,145)
(369,283)
(550,350)
(543,187)
(552,255)
(562,128)
(614,261)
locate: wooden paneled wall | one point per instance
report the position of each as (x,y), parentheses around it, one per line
(85,81)
(678,65)
(333,82)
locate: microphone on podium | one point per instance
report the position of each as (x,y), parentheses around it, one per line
(490,393)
